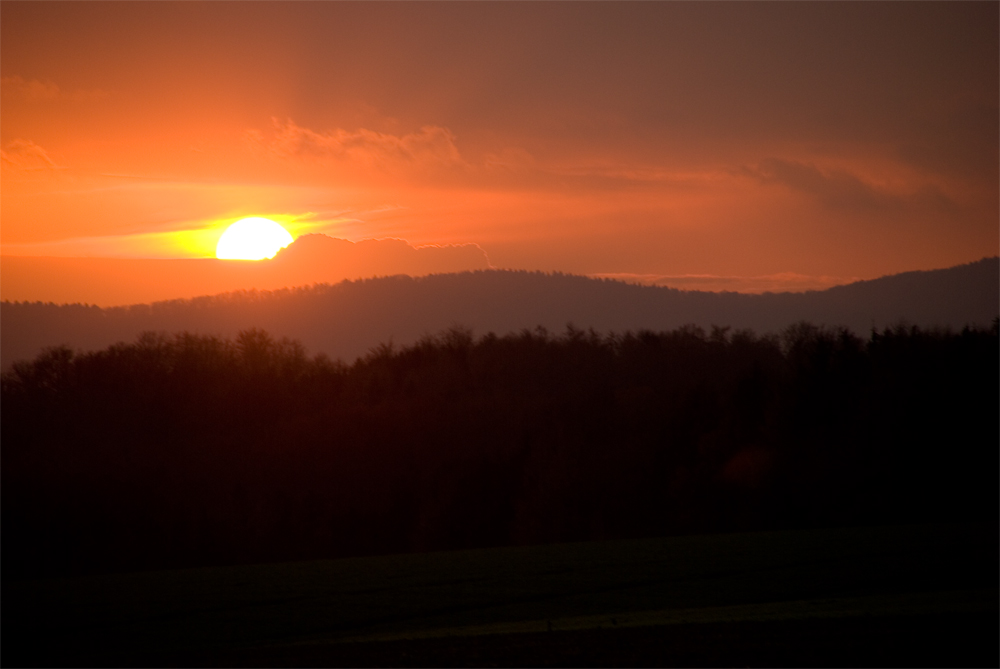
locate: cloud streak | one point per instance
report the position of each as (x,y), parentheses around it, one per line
(43,91)
(840,190)
(26,156)
(836,189)
(431,146)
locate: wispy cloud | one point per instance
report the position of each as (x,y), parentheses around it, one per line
(841,190)
(43,91)
(510,158)
(430,146)
(836,189)
(26,156)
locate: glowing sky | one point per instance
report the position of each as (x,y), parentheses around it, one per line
(843,140)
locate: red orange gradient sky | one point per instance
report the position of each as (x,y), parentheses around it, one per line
(806,143)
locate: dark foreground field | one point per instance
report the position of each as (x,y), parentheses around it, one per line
(880,596)
(886,641)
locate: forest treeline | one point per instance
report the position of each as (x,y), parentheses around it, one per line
(183,450)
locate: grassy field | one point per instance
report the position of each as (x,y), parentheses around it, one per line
(851,596)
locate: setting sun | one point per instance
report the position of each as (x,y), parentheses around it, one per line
(252,239)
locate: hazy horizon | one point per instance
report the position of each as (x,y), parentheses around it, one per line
(311,259)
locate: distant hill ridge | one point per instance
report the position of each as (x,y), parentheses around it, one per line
(347,319)
(312,258)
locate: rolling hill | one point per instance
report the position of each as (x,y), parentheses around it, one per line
(347,319)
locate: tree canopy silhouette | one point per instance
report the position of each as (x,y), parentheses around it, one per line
(183,449)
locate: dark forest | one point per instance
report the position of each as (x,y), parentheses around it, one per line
(184,450)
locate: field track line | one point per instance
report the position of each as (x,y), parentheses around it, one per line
(952,601)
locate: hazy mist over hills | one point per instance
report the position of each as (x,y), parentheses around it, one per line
(310,259)
(347,319)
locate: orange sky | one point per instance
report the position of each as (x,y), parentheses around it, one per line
(806,143)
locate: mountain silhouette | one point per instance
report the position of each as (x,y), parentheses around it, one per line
(347,319)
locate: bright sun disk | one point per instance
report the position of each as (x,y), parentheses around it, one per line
(252,239)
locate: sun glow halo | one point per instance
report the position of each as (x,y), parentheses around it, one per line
(252,239)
